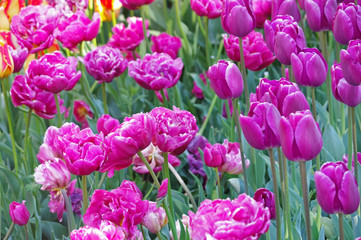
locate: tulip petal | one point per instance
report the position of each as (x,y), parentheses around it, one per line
(252,132)
(234,80)
(349,194)
(287,138)
(326,192)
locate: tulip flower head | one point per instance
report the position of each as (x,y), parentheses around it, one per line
(19,213)
(19,56)
(135,4)
(165,43)
(155,218)
(346,15)
(107,230)
(81,110)
(6,61)
(336,188)
(233,159)
(286,7)
(320,14)
(267,198)
(214,155)
(207,8)
(351,62)
(106,124)
(262,10)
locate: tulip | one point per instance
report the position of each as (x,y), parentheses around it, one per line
(19,56)
(226,79)
(342,90)
(309,67)
(233,158)
(336,188)
(345,159)
(104,63)
(235,11)
(198,142)
(155,218)
(351,63)
(81,110)
(207,8)
(286,7)
(262,10)
(165,43)
(345,24)
(6,61)
(76,199)
(214,155)
(19,213)
(106,9)
(107,230)
(267,198)
(320,14)
(300,136)
(135,4)
(4,20)
(106,124)
(156,71)
(261,126)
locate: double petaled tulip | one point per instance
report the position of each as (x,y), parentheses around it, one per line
(19,214)
(106,124)
(336,188)
(208,8)
(262,10)
(6,61)
(320,14)
(226,79)
(345,24)
(309,67)
(286,7)
(233,161)
(234,12)
(300,136)
(351,62)
(155,218)
(165,43)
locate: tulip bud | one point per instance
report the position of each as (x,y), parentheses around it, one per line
(19,213)
(351,62)
(163,189)
(155,218)
(19,56)
(336,188)
(320,14)
(6,61)
(267,198)
(214,155)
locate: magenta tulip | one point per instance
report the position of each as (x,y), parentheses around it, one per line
(346,25)
(19,213)
(233,159)
(155,218)
(320,14)
(165,43)
(262,10)
(267,198)
(207,8)
(214,155)
(286,7)
(135,4)
(106,124)
(351,62)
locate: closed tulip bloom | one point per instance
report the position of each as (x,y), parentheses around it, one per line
(156,71)
(300,136)
(262,10)
(165,43)
(261,126)
(19,214)
(309,67)
(6,61)
(104,63)
(345,24)
(320,14)
(267,198)
(176,129)
(336,188)
(19,56)
(106,124)
(234,12)
(345,159)
(54,73)
(342,90)
(207,8)
(233,160)
(351,62)
(155,218)
(286,7)
(135,4)
(214,155)
(226,79)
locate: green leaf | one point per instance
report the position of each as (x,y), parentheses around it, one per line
(333,143)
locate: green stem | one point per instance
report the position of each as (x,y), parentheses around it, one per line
(142,13)
(239,134)
(85,194)
(355,158)
(165,12)
(287,197)
(69,211)
(104,91)
(254,164)
(275,189)
(244,73)
(58,109)
(290,74)
(146,163)
(340,225)
(165,101)
(349,131)
(231,119)
(282,186)
(343,119)
(104,175)
(178,18)
(199,20)
(206,39)
(26,142)
(218,183)
(26,232)
(8,114)
(131,13)
(184,186)
(314,113)
(208,115)
(114,19)
(305,198)
(158,235)
(11,228)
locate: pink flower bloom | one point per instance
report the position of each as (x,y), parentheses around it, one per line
(214,155)
(54,73)
(185,225)
(241,218)
(106,231)
(135,4)
(81,110)
(106,124)
(68,7)
(34,27)
(267,198)
(209,8)
(233,160)
(320,14)
(24,92)
(156,71)
(19,214)
(19,56)
(163,189)
(345,159)
(155,218)
(262,10)
(176,129)
(128,38)
(286,7)
(165,43)
(76,29)
(57,201)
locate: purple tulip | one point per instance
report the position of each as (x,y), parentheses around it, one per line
(234,12)
(286,7)
(346,25)
(34,27)
(176,129)
(261,126)
(336,188)
(207,8)
(214,155)
(320,14)
(262,10)
(19,214)
(165,43)
(300,136)
(284,37)
(76,29)
(351,62)
(226,79)
(156,71)
(198,142)
(106,124)
(256,53)
(54,73)
(104,63)
(309,67)
(345,159)
(19,55)
(135,4)
(267,198)
(342,90)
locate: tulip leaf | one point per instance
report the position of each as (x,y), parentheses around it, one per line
(321,235)
(333,143)
(356,224)
(180,202)
(53,227)
(13,181)
(200,188)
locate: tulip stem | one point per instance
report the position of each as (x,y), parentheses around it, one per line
(8,114)
(208,115)
(114,19)
(165,102)
(158,235)
(340,224)
(275,189)
(178,18)
(69,211)
(58,109)
(354,157)
(314,113)
(104,91)
(305,198)
(206,39)
(239,134)
(26,232)
(184,186)
(11,228)
(146,163)
(350,139)
(26,136)
(165,12)
(142,13)
(219,183)
(85,193)
(280,162)
(287,197)
(244,73)
(229,114)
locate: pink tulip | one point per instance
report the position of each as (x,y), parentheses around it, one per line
(286,7)
(106,124)
(214,155)
(233,160)
(262,10)
(207,8)
(267,198)
(19,213)
(155,218)
(320,14)
(351,62)
(163,189)
(106,231)
(165,43)
(135,4)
